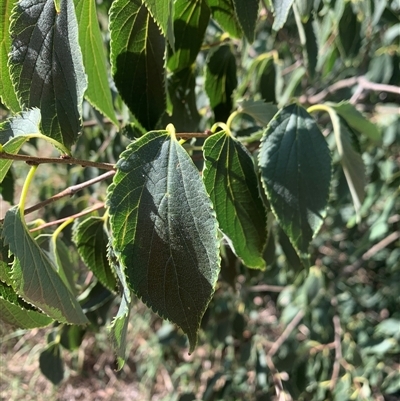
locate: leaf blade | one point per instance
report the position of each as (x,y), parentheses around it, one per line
(281,11)
(247,12)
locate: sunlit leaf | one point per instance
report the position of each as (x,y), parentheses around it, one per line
(281,11)
(232,184)
(90,39)
(46,65)
(165,231)
(34,275)
(223,13)
(137,60)
(191,20)
(262,112)
(91,240)
(7,93)
(295,165)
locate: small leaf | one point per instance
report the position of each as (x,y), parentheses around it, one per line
(7,93)
(137,60)
(262,112)
(231,182)
(7,187)
(356,120)
(223,13)
(221,81)
(51,364)
(165,231)
(247,12)
(91,240)
(46,65)
(191,21)
(35,278)
(15,132)
(295,165)
(13,313)
(281,11)
(90,39)
(163,13)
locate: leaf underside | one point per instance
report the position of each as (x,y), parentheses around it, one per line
(165,231)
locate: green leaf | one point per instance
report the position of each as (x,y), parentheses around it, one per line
(231,182)
(137,60)
(281,11)
(295,165)
(163,13)
(349,32)
(182,95)
(221,80)
(7,93)
(356,120)
(191,20)
(16,315)
(262,112)
(91,240)
(165,231)
(46,65)
(223,13)
(90,39)
(247,12)
(15,132)
(34,275)
(7,187)
(51,363)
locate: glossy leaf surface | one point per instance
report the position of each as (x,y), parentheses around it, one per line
(165,231)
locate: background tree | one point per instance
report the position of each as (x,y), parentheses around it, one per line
(205,144)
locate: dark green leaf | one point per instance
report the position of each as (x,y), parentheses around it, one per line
(98,91)
(349,32)
(34,275)
(137,59)
(356,120)
(51,363)
(191,20)
(72,336)
(221,81)
(46,65)
(311,46)
(91,240)
(247,12)
(7,187)
(295,167)
(182,95)
(223,13)
(163,13)
(165,231)
(7,93)
(281,11)
(231,182)
(15,132)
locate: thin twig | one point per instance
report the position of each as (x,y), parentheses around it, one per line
(68,192)
(280,393)
(266,288)
(34,160)
(286,333)
(74,216)
(338,348)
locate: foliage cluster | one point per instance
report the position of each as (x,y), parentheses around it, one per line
(206,116)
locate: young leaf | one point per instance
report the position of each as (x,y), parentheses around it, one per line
(356,120)
(295,165)
(91,240)
(165,231)
(223,13)
(35,278)
(51,363)
(46,65)
(90,39)
(16,315)
(7,93)
(137,60)
(15,132)
(191,20)
(247,12)
(163,13)
(231,182)
(281,11)
(221,81)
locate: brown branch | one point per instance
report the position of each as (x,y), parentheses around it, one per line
(68,192)
(276,377)
(74,216)
(266,288)
(34,160)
